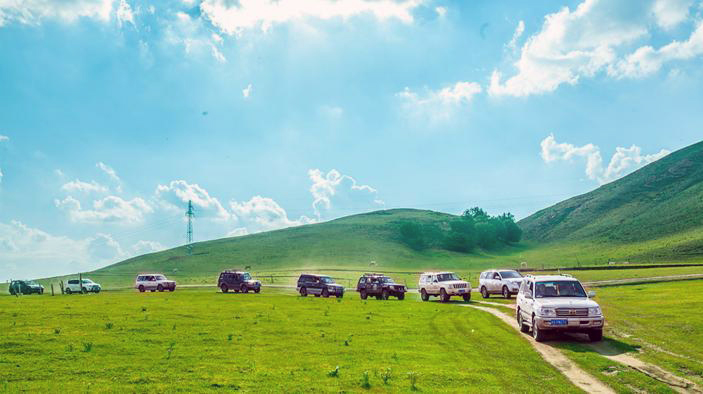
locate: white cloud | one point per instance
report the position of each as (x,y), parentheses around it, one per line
(670,13)
(176,195)
(144,247)
(217,54)
(109,209)
(346,192)
(125,13)
(262,214)
(236,17)
(87,187)
(246,92)
(31,252)
(647,60)
(238,232)
(438,104)
(624,161)
(441,11)
(33,12)
(516,35)
(572,45)
(112,174)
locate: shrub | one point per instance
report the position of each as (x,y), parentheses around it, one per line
(365,383)
(412,376)
(108,326)
(334,373)
(87,347)
(386,375)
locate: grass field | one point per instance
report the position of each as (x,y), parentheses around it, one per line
(196,340)
(662,319)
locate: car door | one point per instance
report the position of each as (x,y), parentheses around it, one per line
(528,301)
(434,285)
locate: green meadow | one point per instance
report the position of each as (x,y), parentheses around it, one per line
(200,340)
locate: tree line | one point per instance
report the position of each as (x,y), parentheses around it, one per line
(475,228)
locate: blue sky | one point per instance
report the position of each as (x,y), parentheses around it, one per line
(274,114)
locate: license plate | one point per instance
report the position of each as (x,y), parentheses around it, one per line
(462,291)
(559,322)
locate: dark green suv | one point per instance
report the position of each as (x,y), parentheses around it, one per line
(25,287)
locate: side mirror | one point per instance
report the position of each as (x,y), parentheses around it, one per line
(528,295)
(591,294)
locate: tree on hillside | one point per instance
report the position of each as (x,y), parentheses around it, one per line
(462,235)
(411,235)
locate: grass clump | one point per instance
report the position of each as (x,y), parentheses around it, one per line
(334,373)
(365,383)
(87,347)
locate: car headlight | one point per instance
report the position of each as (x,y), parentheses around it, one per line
(595,311)
(547,312)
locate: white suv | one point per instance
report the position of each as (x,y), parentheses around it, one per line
(505,282)
(557,303)
(444,285)
(154,282)
(84,286)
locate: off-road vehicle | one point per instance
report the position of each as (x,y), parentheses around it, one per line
(380,286)
(505,282)
(557,303)
(154,282)
(82,286)
(25,287)
(319,285)
(443,284)
(238,281)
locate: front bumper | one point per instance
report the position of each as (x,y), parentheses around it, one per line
(573,323)
(458,292)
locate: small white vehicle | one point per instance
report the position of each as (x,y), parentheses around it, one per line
(443,284)
(505,282)
(153,282)
(84,286)
(557,303)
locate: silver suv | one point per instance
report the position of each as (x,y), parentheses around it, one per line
(444,285)
(153,282)
(557,303)
(505,282)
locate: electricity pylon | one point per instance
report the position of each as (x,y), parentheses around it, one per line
(189,232)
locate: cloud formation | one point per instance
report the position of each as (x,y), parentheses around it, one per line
(592,38)
(237,17)
(262,214)
(33,12)
(624,161)
(343,189)
(438,105)
(85,187)
(111,209)
(176,194)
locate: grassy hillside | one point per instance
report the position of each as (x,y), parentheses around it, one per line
(365,242)
(661,199)
(653,214)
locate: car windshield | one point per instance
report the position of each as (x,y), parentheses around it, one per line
(326,279)
(510,274)
(160,277)
(87,281)
(31,282)
(566,288)
(385,279)
(447,277)
(246,276)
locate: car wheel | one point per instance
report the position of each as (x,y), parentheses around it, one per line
(443,296)
(537,334)
(523,327)
(506,292)
(595,335)
(141,288)
(224,288)
(172,289)
(484,292)
(303,292)
(68,291)
(424,295)
(467,297)
(153,290)
(257,290)
(160,288)
(325,293)
(84,290)
(339,295)
(363,294)
(244,289)
(384,294)
(401,296)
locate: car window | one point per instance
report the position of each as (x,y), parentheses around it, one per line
(362,281)
(510,274)
(447,277)
(567,288)
(160,277)
(496,276)
(73,282)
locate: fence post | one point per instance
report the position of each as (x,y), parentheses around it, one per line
(61,285)
(52,289)
(80,281)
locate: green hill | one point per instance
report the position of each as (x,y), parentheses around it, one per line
(653,213)
(364,242)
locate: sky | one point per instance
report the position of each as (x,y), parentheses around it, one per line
(271,114)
